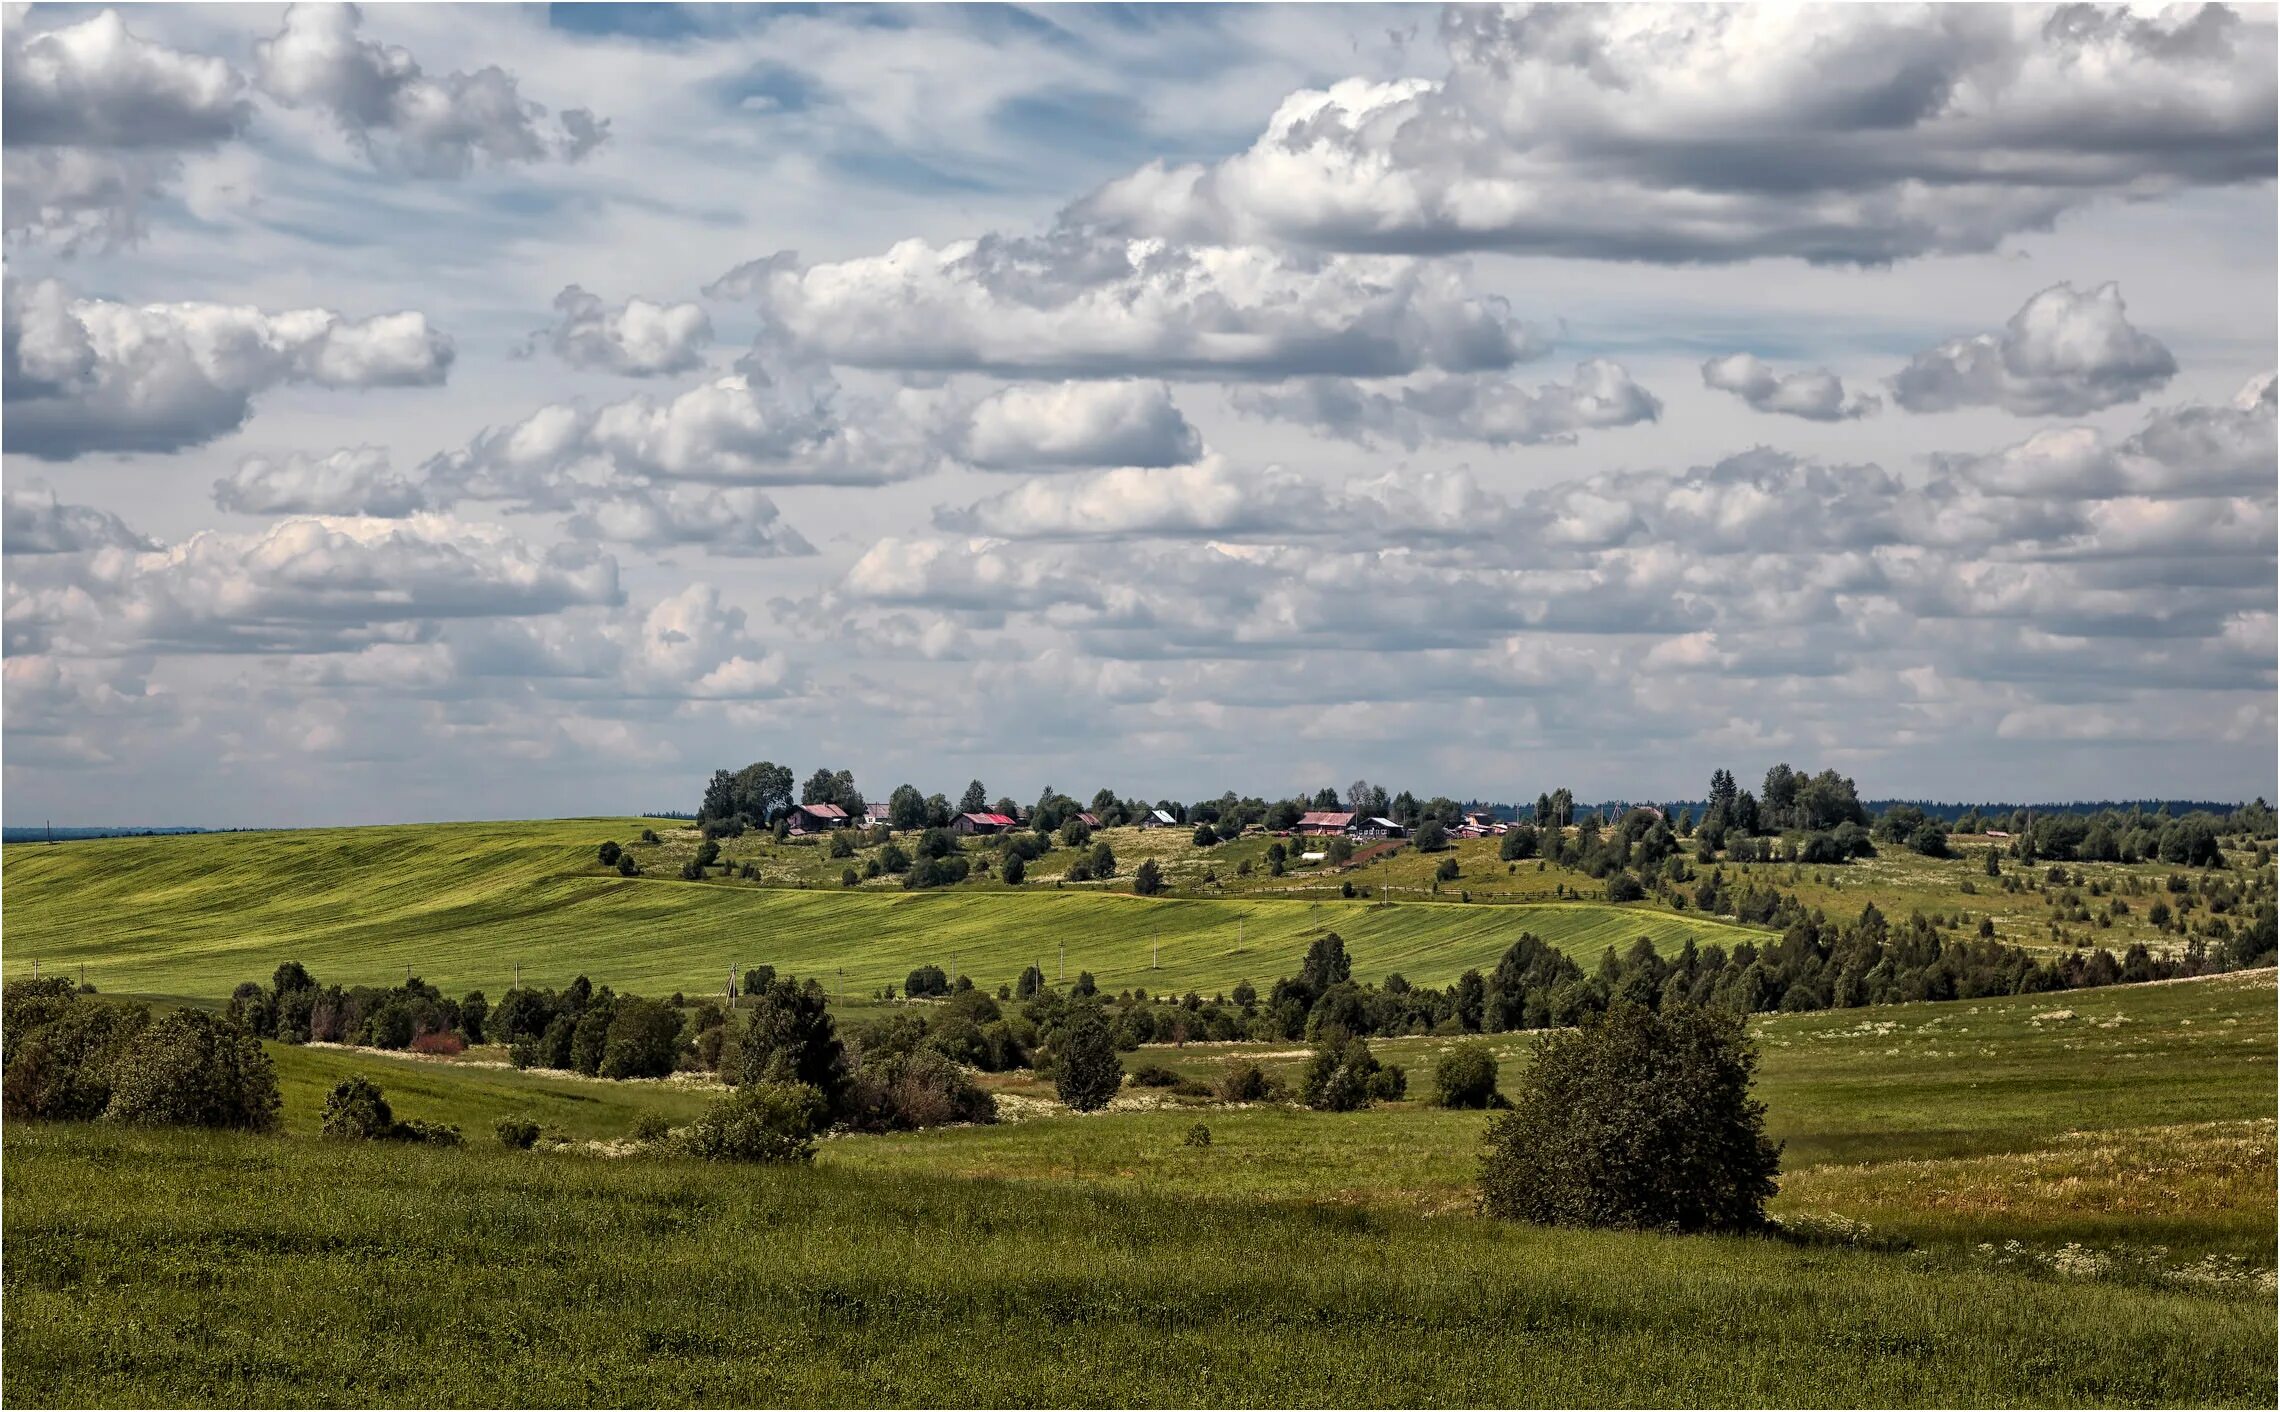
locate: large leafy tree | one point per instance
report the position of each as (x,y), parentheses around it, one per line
(975,800)
(790,1039)
(1640,1119)
(1086,1071)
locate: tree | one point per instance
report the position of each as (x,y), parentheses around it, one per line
(195,1069)
(1147,879)
(976,800)
(789,1038)
(1205,836)
(1640,1118)
(1431,836)
(1930,840)
(906,808)
(760,791)
(1086,1071)
(1014,870)
(641,1041)
(608,853)
(1447,871)
(1325,965)
(1519,842)
(1102,863)
(1466,1078)
(1344,1075)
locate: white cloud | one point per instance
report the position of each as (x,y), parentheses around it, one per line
(87,375)
(1492,409)
(732,520)
(1031,427)
(775,423)
(1070,304)
(430,126)
(1837,133)
(2189,450)
(1817,395)
(2064,353)
(636,339)
(38,523)
(96,121)
(354,480)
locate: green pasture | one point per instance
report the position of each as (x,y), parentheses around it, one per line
(463,905)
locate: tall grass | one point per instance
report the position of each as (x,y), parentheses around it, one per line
(180,1268)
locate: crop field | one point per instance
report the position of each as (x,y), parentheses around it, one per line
(462,905)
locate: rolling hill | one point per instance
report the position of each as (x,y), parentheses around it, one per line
(463,905)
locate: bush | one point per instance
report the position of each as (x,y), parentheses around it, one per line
(355,1110)
(1245,1082)
(920,1088)
(1466,1078)
(627,868)
(608,853)
(1152,1076)
(652,1127)
(1147,879)
(1014,870)
(435,1134)
(642,1041)
(926,982)
(1447,871)
(1197,1136)
(192,1068)
(1639,1119)
(1344,1075)
(761,1122)
(61,1066)
(1086,1071)
(517,1132)
(439,1043)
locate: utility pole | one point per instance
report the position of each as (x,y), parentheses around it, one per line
(1064,975)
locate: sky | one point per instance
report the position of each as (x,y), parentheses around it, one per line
(431,411)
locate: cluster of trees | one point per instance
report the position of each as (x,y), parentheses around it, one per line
(1815,965)
(65,1054)
(356,1111)
(598,1032)
(294,1009)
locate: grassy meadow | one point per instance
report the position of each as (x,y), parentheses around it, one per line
(2062,1199)
(463,904)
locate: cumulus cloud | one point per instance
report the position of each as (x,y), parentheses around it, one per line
(38,523)
(86,375)
(736,521)
(2064,353)
(1071,304)
(1493,410)
(2189,450)
(775,422)
(1834,133)
(96,120)
(1209,498)
(430,126)
(1031,427)
(1817,395)
(635,339)
(354,480)
(315,584)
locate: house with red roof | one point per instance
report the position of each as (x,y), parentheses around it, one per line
(981,823)
(817,818)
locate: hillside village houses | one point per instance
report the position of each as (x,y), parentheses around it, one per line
(982,823)
(816,818)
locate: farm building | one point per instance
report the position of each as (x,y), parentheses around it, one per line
(1157,819)
(816,818)
(1089,820)
(980,823)
(1376,827)
(1324,822)
(875,813)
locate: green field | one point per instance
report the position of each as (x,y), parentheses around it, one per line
(2052,1200)
(463,904)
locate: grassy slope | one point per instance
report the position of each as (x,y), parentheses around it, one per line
(462,904)
(183,1268)
(1880,1109)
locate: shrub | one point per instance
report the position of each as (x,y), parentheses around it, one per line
(434,1134)
(1640,1118)
(1147,879)
(761,1122)
(627,867)
(1466,1078)
(608,853)
(1086,1071)
(516,1131)
(789,1039)
(920,1088)
(61,1067)
(195,1069)
(642,1041)
(1197,1136)
(440,1043)
(1447,871)
(356,1111)
(1245,1082)
(1152,1076)
(926,982)
(1015,869)
(474,1016)
(652,1127)
(1344,1075)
